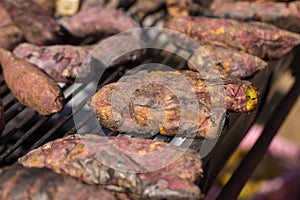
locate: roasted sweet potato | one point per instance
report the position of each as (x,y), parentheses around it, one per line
(145,7)
(94,20)
(46,5)
(281,14)
(30,85)
(10,34)
(62,62)
(228,61)
(155,108)
(256,38)
(37,26)
(41,183)
(142,167)
(178,8)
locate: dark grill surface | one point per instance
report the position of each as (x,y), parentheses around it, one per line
(26,130)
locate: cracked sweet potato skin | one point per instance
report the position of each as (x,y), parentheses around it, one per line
(230,62)
(41,183)
(123,164)
(10,34)
(155,108)
(37,26)
(95,20)
(256,38)
(281,14)
(30,85)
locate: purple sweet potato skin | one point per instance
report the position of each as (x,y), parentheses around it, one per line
(10,34)
(230,62)
(166,119)
(95,20)
(256,38)
(64,62)
(127,167)
(47,5)
(37,26)
(283,15)
(41,183)
(61,62)
(30,85)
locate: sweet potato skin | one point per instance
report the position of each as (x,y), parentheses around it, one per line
(144,116)
(95,20)
(10,34)
(256,38)
(30,85)
(41,183)
(145,7)
(37,26)
(283,15)
(83,156)
(61,62)
(64,63)
(47,5)
(230,62)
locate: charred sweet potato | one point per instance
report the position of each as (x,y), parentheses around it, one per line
(30,85)
(41,183)
(256,38)
(123,164)
(10,34)
(159,106)
(228,61)
(281,14)
(95,20)
(37,26)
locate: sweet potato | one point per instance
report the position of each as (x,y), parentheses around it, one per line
(145,7)
(37,26)
(155,108)
(47,5)
(41,183)
(228,61)
(281,14)
(178,8)
(30,85)
(10,34)
(94,20)
(256,38)
(142,167)
(63,62)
